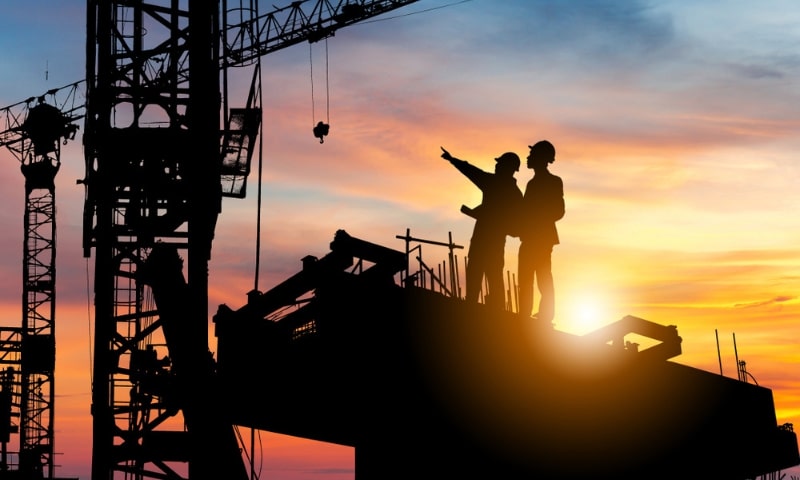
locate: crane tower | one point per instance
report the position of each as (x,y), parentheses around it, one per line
(163,146)
(34,131)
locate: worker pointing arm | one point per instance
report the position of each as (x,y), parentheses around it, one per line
(500,197)
(473,173)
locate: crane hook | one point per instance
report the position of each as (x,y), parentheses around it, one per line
(320,130)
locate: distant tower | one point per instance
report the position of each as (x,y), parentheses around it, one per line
(27,354)
(45,126)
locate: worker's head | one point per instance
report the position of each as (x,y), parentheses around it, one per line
(542,152)
(508,160)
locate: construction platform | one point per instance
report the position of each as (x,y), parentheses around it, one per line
(428,386)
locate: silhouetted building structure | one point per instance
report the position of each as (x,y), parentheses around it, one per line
(425,385)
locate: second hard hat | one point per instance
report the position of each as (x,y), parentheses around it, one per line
(510,158)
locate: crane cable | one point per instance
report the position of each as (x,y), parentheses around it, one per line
(251,458)
(89,317)
(259,200)
(320,128)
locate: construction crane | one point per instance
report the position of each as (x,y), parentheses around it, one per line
(163,146)
(33,131)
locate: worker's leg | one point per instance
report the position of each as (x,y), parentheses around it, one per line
(544,279)
(496,296)
(525,276)
(474,276)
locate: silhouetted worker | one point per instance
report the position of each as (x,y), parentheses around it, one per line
(493,219)
(542,207)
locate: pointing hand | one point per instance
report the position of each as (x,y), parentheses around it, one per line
(446,155)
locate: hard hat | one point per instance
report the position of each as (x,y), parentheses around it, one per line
(544,149)
(509,158)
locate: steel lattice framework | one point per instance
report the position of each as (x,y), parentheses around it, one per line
(34,131)
(162,147)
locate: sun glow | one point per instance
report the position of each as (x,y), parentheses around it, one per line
(587,312)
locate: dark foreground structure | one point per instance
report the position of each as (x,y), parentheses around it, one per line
(427,386)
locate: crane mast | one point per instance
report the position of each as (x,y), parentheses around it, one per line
(162,148)
(34,131)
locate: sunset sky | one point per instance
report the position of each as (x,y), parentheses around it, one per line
(676,125)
